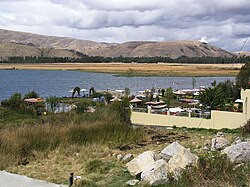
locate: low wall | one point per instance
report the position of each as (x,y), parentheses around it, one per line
(219,120)
(230,120)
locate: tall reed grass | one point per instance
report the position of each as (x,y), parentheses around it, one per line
(105,126)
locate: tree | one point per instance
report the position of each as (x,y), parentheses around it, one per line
(31,94)
(243,77)
(212,97)
(127,91)
(14,102)
(108,96)
(91,91)
(193,82)
(162,92)
(169,94)
(53,102)
(76,89)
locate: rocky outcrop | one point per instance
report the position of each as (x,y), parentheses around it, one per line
(180,160)
(155,169)
(171,150)
(156,173)
(238,153)
(141,162)
(219,142)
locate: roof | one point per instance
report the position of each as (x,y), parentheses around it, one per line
(135,100)
(34,100)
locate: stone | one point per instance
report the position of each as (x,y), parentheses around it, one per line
(207,143)
(219,143)
(156,173)
(169,151)
(237,140)
(238,153)
(132,182)
(180,160)
(205,148)
(220,134)
(127,157)
(119,156)
(139,163)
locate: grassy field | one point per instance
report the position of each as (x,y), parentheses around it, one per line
(135,69)
(84,143)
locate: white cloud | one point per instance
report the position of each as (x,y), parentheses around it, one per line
(222,23)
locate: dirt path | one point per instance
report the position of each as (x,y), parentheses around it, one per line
(13,180)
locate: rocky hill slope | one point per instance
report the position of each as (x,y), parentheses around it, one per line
(14,43)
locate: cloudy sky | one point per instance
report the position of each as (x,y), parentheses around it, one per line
(224,23)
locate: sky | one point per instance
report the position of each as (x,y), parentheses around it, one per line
(223,23)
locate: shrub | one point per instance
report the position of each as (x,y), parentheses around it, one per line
(246,128)
(14,102)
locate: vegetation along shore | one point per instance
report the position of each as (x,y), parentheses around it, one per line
(137,69)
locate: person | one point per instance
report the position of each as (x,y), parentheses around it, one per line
(71,179)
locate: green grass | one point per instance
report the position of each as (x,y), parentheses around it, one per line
(104,127)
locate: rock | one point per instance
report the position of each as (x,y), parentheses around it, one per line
(127,157)
(156,173)
(205,148)
(139,163)
(171,150)
(180,160)
(219,143)
(238,153)
(132,182)
(119,156)
(237,140)
(207,143)
(220,134)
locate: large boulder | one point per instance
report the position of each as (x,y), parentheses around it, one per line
(219,143)
(238,153)
(141,162)
(156,173)
(171,150)
(180,160)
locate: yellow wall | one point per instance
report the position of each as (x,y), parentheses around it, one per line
(230,120)
(223,119)
(245,95)
(219,119)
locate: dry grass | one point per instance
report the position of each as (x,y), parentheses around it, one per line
(134,69)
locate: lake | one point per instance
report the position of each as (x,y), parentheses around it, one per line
(58,82)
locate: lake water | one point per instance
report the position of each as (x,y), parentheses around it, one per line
(58,83)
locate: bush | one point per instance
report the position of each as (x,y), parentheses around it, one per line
(14,102)
(246,128)
(213,169)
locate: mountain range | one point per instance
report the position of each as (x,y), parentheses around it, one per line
(13,43)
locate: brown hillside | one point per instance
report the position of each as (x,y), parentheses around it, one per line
(11,49)
(166,49)
(173,49)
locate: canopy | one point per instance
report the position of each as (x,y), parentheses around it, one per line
(71,91)
(179,92)
(34,100)
(135,100)
(176,109)
(159,106)
(115,99)
(154,103)
(238,101)
(83,90)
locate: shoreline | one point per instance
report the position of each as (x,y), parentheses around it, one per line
(137,69)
